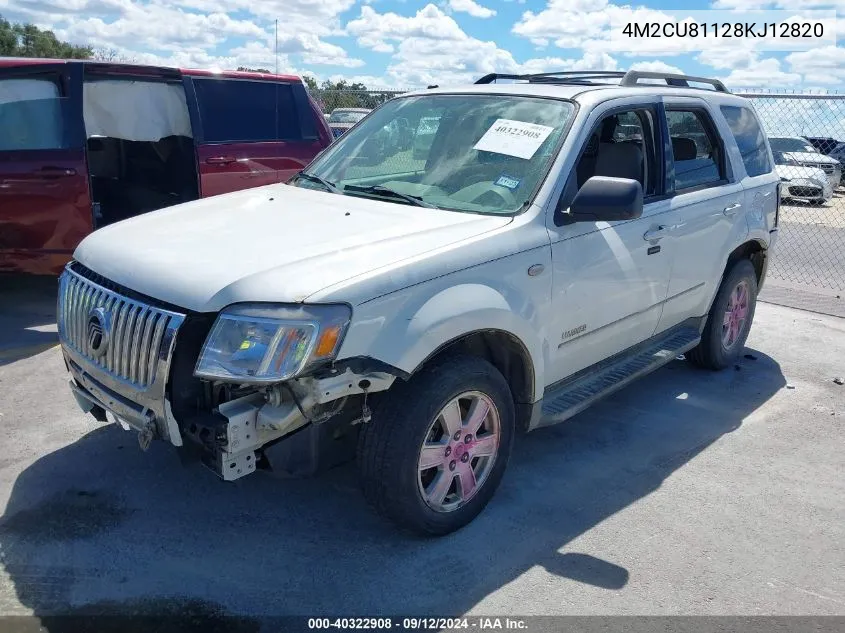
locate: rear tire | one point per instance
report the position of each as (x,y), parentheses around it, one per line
(729,320)
(415,470)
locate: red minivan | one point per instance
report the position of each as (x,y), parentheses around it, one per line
(84,144)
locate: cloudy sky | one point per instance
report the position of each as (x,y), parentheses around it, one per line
(409,43)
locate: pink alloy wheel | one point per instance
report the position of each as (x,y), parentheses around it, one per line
(458,451)
(736,315)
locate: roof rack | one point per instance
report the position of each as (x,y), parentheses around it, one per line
(566,76)
(585,77)
(632,78)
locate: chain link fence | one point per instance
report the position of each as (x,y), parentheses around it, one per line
(807,134)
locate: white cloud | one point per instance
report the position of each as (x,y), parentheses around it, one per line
(656,66)
(471,7)
(374,29)
(765,73)
(195,30)
(821,66)
(728,58)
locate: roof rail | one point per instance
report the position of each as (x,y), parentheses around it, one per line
(564,76)
(632,78)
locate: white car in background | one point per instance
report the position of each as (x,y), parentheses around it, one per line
(803,152)
(838,153)
(806,184)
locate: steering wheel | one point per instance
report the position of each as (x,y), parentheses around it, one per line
(475,191)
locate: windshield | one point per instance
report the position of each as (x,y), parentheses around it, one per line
(478,153)
(781,158)
(791,145)
(346,117)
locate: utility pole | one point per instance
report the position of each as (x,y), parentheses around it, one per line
(277,46)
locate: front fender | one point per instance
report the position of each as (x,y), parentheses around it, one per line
(405,328)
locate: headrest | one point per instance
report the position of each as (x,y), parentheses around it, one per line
(619,160)
(684,148)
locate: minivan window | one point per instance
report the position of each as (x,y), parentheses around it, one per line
(236,110)
(484,154)
(30,114)
(695,150)
(749,138)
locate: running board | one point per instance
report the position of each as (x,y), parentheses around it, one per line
(589,385)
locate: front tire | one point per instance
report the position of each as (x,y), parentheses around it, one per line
(438,445)
(729,320)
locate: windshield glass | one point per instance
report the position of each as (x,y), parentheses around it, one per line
(781,158)
(346,117)
(478,153)
(791,145)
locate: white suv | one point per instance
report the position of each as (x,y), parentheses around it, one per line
(804,154)
(551,240)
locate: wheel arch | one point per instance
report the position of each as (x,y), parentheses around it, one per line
(506,352)
(756,251)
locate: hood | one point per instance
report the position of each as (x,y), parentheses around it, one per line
(797,172)
(810,157)
(276,243)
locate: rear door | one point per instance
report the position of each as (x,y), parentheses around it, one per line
(45,208)
(708,206)
(249,132)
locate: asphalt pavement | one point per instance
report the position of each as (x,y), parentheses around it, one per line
(690,492)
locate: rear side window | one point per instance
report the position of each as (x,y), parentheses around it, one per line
(236,110)
(30,114)
(287,114)
(696,150)
(749,138)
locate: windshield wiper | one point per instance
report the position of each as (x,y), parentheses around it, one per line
(329,186)
(387,191)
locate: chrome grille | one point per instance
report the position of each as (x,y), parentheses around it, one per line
(137,333)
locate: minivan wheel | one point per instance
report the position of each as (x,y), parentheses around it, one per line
(438,445)
(729,320)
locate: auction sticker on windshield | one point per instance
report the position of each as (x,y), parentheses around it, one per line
(513,138)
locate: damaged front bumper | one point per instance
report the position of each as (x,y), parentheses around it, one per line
(231,438)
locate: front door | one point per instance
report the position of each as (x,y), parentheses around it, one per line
(611,278)
(45,207)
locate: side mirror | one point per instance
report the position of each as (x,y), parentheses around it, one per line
(604,199)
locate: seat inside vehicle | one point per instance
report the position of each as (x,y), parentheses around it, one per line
(140,148)
(614,150)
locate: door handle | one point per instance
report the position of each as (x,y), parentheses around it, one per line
(220,160)
(731,209)
(655,235)
(50,171)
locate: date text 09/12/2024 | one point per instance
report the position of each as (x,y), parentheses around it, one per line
(420,623)
(776,30)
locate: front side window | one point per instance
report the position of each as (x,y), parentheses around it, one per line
(696,151)
(749,138)
(477,153)
(236,110)
(621,146)
(30,114)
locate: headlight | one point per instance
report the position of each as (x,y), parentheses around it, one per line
(262,343)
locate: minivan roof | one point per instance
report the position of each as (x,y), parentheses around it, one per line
(12,62)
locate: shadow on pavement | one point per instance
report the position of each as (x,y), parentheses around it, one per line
(27,315)
(98,527)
